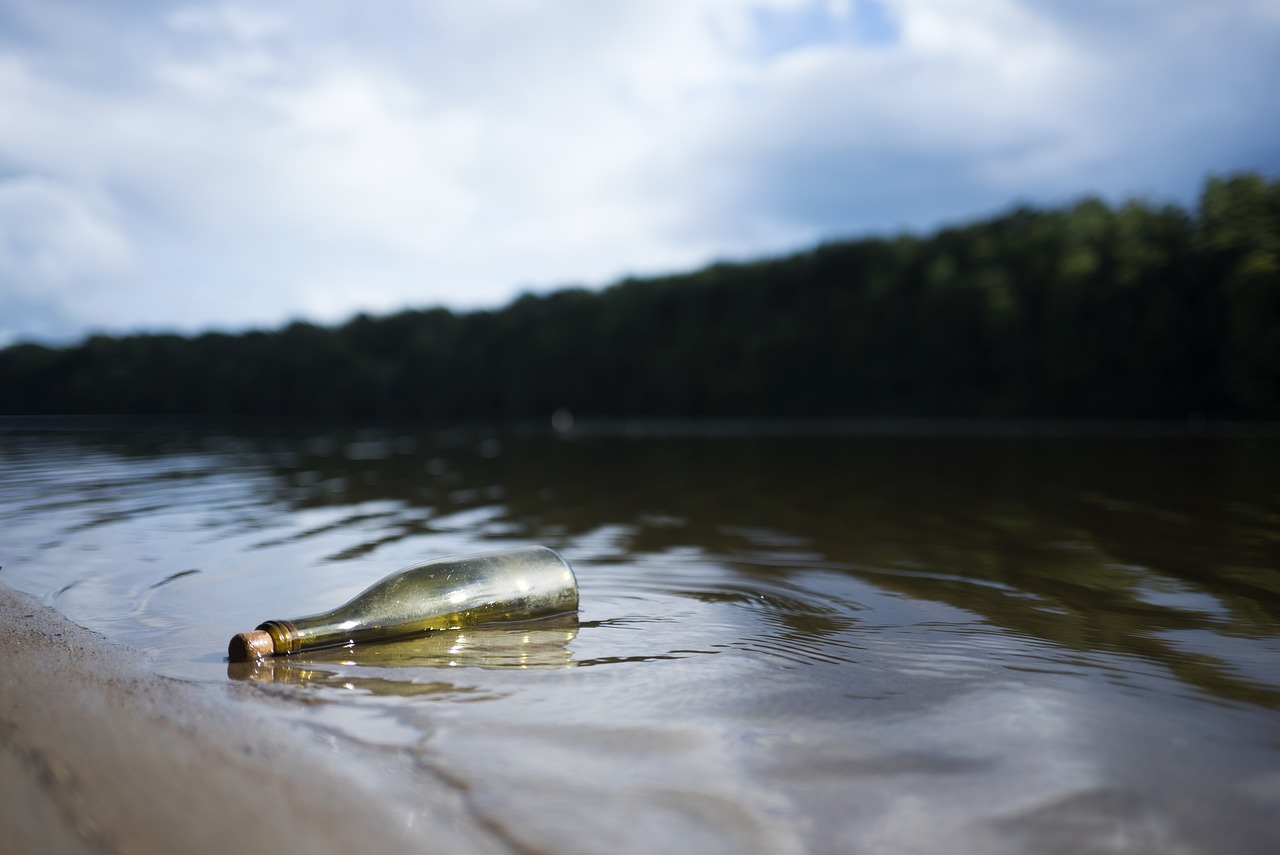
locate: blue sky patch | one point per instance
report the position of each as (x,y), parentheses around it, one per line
(825,22)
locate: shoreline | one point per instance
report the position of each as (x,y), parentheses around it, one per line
(613,427)
(99,755)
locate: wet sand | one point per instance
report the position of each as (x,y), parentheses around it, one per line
(97,755)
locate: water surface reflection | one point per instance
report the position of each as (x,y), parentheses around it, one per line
(1163,548)
(822,643)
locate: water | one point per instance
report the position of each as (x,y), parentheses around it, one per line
(823,643)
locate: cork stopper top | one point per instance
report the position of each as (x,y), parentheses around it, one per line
(254,644)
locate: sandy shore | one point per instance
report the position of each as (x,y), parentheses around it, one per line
(97,755)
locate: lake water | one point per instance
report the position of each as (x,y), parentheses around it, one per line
(790,640)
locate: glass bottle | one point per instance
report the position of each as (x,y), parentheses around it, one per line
(513,584)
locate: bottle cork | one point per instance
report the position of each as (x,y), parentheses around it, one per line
(255,644)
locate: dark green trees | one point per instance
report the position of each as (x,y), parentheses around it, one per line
(1138,311)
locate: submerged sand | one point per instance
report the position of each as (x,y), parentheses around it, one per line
(97,755)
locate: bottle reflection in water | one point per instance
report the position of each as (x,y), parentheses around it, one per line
(511,585)
(410,666)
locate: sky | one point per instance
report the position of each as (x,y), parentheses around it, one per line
(181,167)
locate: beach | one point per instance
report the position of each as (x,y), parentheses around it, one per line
(97,755)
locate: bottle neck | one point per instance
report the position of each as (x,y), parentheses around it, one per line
(285,637)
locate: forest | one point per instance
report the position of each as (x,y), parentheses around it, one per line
(1135,311)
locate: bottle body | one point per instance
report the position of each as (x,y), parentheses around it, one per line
(510,585)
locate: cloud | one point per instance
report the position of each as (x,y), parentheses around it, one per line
(51,237)
(228,164)
(57,245)
(983,103)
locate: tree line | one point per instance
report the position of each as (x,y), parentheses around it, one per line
(1089,310)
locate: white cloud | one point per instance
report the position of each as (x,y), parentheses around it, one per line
(251,164)
(53,239)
